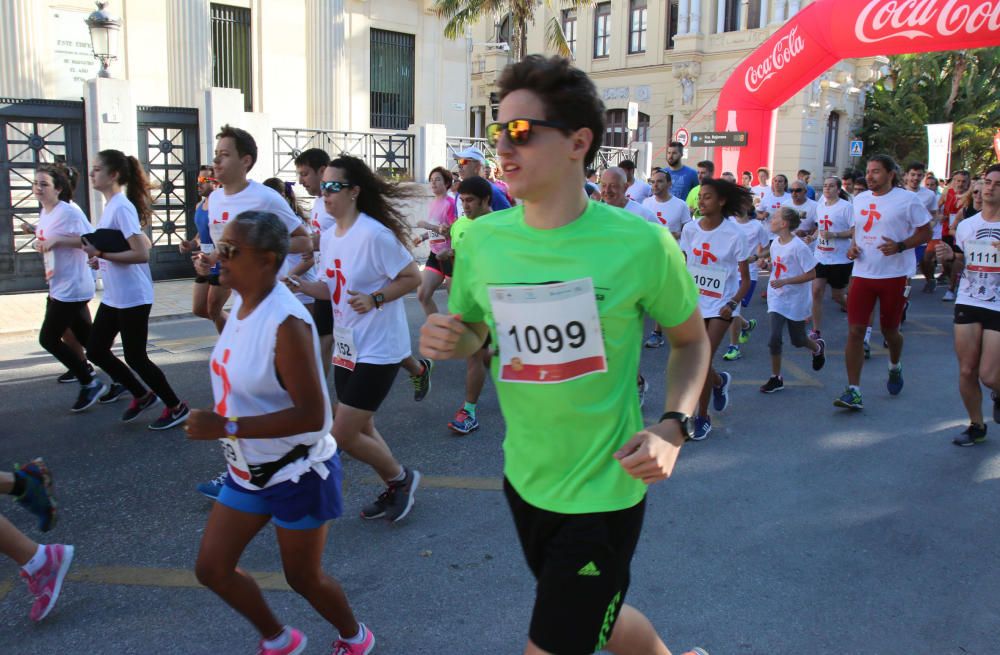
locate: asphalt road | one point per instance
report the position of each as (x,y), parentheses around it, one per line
(795,528)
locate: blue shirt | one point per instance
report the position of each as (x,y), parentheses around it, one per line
(499,200)
(201,223)
(683,180)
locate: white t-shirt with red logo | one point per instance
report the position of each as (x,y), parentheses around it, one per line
(807,215)
(772,203)
(980,283)
(895,216)
(759,192)
(637,209)
(66,269)
(639,191)
(672,214)
(319,218)
(757,235)
(713,258)
(789,260)
(125,285)
(838,217)
(364,260)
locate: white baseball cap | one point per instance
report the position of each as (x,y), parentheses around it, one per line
(471,153)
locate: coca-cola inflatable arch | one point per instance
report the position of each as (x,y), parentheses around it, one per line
(822,34)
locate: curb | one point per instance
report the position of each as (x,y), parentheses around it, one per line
(18,335)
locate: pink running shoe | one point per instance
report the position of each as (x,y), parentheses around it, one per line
(367,645)
(46,584)
(296,645)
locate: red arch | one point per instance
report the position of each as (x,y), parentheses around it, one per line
(821,35)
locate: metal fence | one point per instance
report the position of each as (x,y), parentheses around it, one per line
(389,154)
(231,60)
(606,156)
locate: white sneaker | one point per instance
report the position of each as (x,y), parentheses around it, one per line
(948,295)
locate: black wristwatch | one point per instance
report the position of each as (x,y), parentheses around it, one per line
(687,423)
(901,245)
(379,300)
(733,304)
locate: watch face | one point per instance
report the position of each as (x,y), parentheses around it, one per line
(231,427)
(688,427)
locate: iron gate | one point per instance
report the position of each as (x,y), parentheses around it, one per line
(168,150)
(33,132)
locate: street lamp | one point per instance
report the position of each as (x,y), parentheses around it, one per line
(104,36)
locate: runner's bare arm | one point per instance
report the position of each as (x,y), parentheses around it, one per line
(301,241)
(445,336)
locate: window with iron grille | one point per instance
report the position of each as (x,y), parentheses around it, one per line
(602,30)
(637,26)
(392,79)
(569,29)
(673,10)
(231,51)
(616,132)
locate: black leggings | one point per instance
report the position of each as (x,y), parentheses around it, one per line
(133,323)
(60,315)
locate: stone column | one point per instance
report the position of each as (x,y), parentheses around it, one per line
(683,16)
(22,44)
(720,18)
(793,7)
(189,22)
(764,12)
(695,19)
(327,72)
(779,12)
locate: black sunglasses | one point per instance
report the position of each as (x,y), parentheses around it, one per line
(334,186)
(519,130)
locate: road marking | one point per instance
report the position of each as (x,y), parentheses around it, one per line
(186,344)
(800,375)
(925,328)
(5,587)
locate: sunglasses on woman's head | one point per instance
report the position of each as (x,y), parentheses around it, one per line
(334,186)
(518,130)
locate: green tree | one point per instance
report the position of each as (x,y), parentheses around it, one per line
(959,87)
(462,14)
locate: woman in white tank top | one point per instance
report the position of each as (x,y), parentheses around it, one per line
(272,414)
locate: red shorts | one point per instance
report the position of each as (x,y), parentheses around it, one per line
(863,293)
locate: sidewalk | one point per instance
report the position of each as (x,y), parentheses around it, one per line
(21,314)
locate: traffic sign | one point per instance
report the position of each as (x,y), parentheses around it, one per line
(709,139)
(682,136)
(857,147)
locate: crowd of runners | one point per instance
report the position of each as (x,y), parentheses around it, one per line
(535,293)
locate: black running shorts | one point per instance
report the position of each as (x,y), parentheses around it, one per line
(323,317)
(967,314)
(837,276)
(581,563)
(366,386)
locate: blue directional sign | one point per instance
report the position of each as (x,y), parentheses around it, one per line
(857,147)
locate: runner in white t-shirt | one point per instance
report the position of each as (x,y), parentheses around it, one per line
(717,252)
(636,189)
(128,292)
(71,286)
(913,181)
(977,308)
(835,225)
(792,268)
(670,212)
(367,271)
(888,220)
(806,209)
(301,264)
(777,196)
(272,416)
(763,186)
(757,239)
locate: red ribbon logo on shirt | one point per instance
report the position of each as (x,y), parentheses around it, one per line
(704,253)
(339,280)
(220,369)
(872,215)
(659,217)
(779,267)
(316,220)
(825,223)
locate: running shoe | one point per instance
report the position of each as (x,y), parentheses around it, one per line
(115,391)
(69,376)
(720,394)
(376,509)
(138,406)
(47,582)
(996,406)
(948,296)
(868,350)
(464,422)
(930,285)
(850,399)
(702,426)
(364,647)
(401,499)
(696,651)
(895,382)
(774,383)
(643,388)
(88,396)
(38,496)
(814,334)
(819,358)
(655,340)
(733,353)
(942,277)
(422,382)
(212,488)
(296,644)
(745,331)
(171,417)
(974,434)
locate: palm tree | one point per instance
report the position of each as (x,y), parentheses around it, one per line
(463,14)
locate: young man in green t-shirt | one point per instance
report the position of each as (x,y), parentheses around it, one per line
(566,314)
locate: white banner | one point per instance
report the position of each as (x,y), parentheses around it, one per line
(939,149)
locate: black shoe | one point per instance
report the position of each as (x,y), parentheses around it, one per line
(774,383)
(974,434)
(996,406)
(401,500)
(819,358)
(171,417)
(377,508)
(138,406)
(115,391)
(88,396)
(69,376)
(422,381)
